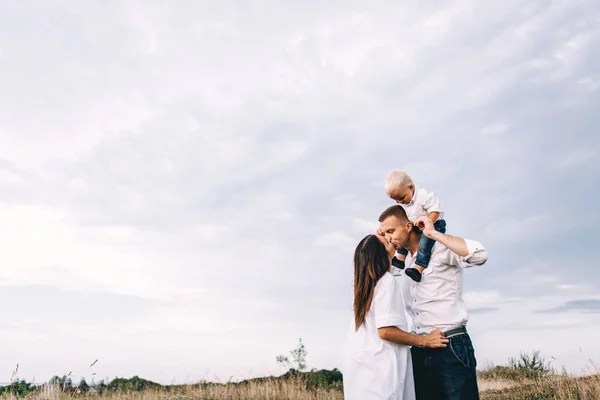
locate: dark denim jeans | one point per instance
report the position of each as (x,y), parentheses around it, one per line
(426,245)
(448,373)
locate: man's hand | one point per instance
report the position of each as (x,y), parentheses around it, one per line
(425,224)
(455,244)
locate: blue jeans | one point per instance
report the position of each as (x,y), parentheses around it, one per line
(426,245)
(446,373)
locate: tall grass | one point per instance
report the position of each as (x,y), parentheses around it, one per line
(525,378)
(550,387)
(547,387)
(293,389)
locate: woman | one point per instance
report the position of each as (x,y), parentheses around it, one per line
(377,360)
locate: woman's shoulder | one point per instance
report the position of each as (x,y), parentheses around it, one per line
(386,280)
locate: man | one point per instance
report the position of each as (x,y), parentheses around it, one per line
(436,302)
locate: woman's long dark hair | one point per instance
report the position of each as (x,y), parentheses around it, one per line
(371,262)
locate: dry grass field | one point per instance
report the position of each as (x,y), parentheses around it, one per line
(527,377)
(548,387)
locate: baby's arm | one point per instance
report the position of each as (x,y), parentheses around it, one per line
(434,215)
(433,206)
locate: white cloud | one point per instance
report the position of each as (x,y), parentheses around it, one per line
(577,157)
(516,229)
(482,299)
(219,164)
(335,239)
(495,129)
(591,84)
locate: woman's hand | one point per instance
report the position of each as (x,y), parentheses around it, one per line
(435,339)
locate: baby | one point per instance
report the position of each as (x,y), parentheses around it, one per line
(417,202)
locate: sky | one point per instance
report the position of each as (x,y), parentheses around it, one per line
(183,184)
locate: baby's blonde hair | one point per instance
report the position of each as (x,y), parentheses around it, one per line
(396,180)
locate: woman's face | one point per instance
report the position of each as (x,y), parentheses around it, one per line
(388,246)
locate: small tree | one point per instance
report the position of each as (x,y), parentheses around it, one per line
(63,382)
(83,386)
(100,387)
(298,358)
(531,365)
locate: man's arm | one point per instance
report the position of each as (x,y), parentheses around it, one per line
(470,253)
(456,244)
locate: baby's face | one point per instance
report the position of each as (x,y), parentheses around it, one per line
(405,194)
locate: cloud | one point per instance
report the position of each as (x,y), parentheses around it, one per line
(591,84)
(483,310)
(211,169)
(335,239)
(495,129)
(515,229)
(577,157)
(588,305)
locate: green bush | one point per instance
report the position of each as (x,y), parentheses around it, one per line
(318,379)
(18,388)
(526,366)
(134,384)
(532,366)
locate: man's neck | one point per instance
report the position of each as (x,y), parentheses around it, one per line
(413,243)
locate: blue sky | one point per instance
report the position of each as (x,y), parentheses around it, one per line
(182,186)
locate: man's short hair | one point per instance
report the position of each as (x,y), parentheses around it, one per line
(396,180)
(394,211)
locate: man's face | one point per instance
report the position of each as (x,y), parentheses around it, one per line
(388,246)
(396,231)
(404,195)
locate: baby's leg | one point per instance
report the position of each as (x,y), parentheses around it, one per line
(398,259)
(426,245)
(424,253)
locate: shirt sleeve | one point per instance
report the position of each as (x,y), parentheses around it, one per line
(431,203)
(477,255)
(388,304)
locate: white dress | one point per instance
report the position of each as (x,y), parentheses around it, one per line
(376,369)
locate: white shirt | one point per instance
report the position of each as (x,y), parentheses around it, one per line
(373,368)
(437,301)
(421,204)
